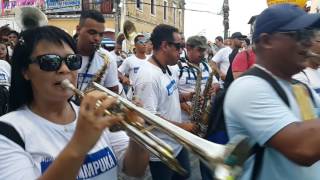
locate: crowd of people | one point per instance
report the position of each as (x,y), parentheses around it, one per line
(265,87)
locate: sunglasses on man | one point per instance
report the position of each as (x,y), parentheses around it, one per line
(53,62)
(301,36)
(178,46)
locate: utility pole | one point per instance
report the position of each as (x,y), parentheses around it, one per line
(117,16)
(225,9)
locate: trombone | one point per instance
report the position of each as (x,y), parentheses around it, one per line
(225,160)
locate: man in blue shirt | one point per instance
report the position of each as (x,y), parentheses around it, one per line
(292,150)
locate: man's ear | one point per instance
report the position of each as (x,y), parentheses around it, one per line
(164,45)
(78,29)
(25,74)
(265,41)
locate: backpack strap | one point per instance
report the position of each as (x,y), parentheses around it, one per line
(294,81)
(11,133)
(257,149)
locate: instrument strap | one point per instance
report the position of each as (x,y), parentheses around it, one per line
(11,133)
(87,70)
(164,69)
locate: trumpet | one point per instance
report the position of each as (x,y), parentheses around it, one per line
(225,160)
(311,54)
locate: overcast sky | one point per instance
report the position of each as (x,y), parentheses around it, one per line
(210,24)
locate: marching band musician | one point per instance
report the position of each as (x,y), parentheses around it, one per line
(131,65)
(47,136)
(90,33)
(196,48)
(156,88)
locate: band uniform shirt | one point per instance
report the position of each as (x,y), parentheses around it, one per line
(44,140)
(131,67)
(110,78)
(5,73)
(159,94)
(253,108)
(311,77)
(187,82)
(118,58)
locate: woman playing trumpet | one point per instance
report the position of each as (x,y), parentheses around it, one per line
(60,140)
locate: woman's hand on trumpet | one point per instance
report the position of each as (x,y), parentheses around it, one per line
(93,120)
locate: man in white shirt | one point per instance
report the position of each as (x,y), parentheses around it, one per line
(90,32)
(131,66)
(196,48)
(220,61)
(157,89)
(117,54)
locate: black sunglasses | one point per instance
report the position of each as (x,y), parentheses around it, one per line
(178,46)
(300,35)
(53,62)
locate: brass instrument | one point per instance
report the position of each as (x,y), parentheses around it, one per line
(30,17)
(196,100)
(206,106)
(311,54)
(99,75)
(226,160)
(130,33)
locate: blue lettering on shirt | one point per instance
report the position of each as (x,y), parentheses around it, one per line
(94,164)
(84,78)
(135,69)
(171,87)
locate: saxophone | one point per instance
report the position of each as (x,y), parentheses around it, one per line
(99,75)
(206,106)
(196,100)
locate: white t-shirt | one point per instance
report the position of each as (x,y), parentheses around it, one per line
(131,67)
(221,58)
(110,78)
(187,81)
(159,94)
(253,108)
(44,140)
(311,77)
(118,59)
(5,73)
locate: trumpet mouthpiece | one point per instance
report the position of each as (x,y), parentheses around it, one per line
(66,84)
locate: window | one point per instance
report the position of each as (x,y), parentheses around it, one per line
(180,19)
(153,7)
(139,4)
(174,14)
(165,7)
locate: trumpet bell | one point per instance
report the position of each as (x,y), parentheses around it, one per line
(30,17)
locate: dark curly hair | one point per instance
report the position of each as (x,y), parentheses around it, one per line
(162,32)
(20,92)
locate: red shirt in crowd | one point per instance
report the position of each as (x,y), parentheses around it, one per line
(243,61)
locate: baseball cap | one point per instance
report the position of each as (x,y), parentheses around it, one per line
(282,18)
(197,42)
(237,35)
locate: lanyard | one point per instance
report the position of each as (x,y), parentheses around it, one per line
(164,69)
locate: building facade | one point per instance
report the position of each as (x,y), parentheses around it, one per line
(145,14)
